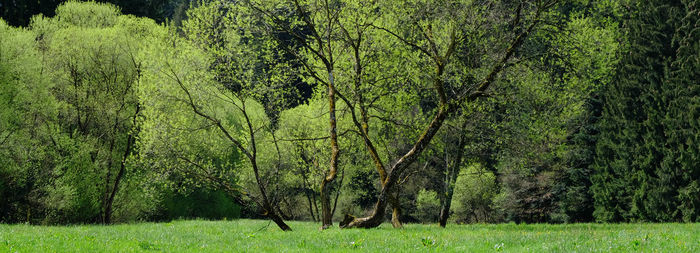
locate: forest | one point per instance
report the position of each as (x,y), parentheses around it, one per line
(350,113)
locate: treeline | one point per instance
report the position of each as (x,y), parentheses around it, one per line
(408,111)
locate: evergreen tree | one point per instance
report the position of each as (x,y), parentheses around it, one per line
(573,183)
(681,165)
(645,151)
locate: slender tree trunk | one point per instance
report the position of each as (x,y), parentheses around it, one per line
(445,209)
(452,174)
(308,198)
(122,169)
(446,200)
(270,211)
(250,154)
(327,214)
(337,193)
(315,201)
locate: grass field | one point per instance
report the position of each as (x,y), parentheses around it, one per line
(257,236)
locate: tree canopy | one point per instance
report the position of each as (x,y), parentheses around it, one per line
(356,112)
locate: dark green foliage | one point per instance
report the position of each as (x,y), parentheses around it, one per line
(17,13)
(646,162)
(198,203)
(362,183)
(573,183)
(682,119)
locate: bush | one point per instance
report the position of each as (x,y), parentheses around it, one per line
(474,196)
(428,206)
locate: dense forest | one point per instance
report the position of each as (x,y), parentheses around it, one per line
(348,111)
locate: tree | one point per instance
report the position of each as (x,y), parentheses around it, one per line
(229,104)
(27,118)
(642,166)
(434,36)
(90,53)
(682,159)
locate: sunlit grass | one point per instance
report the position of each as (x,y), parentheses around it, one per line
(257,235)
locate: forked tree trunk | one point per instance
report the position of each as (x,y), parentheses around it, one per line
(375,219)
(377,216)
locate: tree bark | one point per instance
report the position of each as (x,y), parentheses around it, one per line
(327,214)
(396,209)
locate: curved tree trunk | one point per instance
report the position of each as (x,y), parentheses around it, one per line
(377,216)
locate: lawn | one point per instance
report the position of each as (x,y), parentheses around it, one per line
(258,235)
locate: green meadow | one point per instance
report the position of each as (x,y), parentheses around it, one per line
(261,236)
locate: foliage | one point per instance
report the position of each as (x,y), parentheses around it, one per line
(644,167)
(426,203)
(475,192)
(27,113)
(525,111)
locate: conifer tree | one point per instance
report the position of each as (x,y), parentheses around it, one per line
(681,163)
(646,161)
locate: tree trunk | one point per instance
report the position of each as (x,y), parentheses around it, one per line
(122,169)
(250,154)
(279,221)
(308,198)
(318,214)
(253,157)
(396,209)
(445,210)
(327,214)
(326,217)
(452,174)
(375,219)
